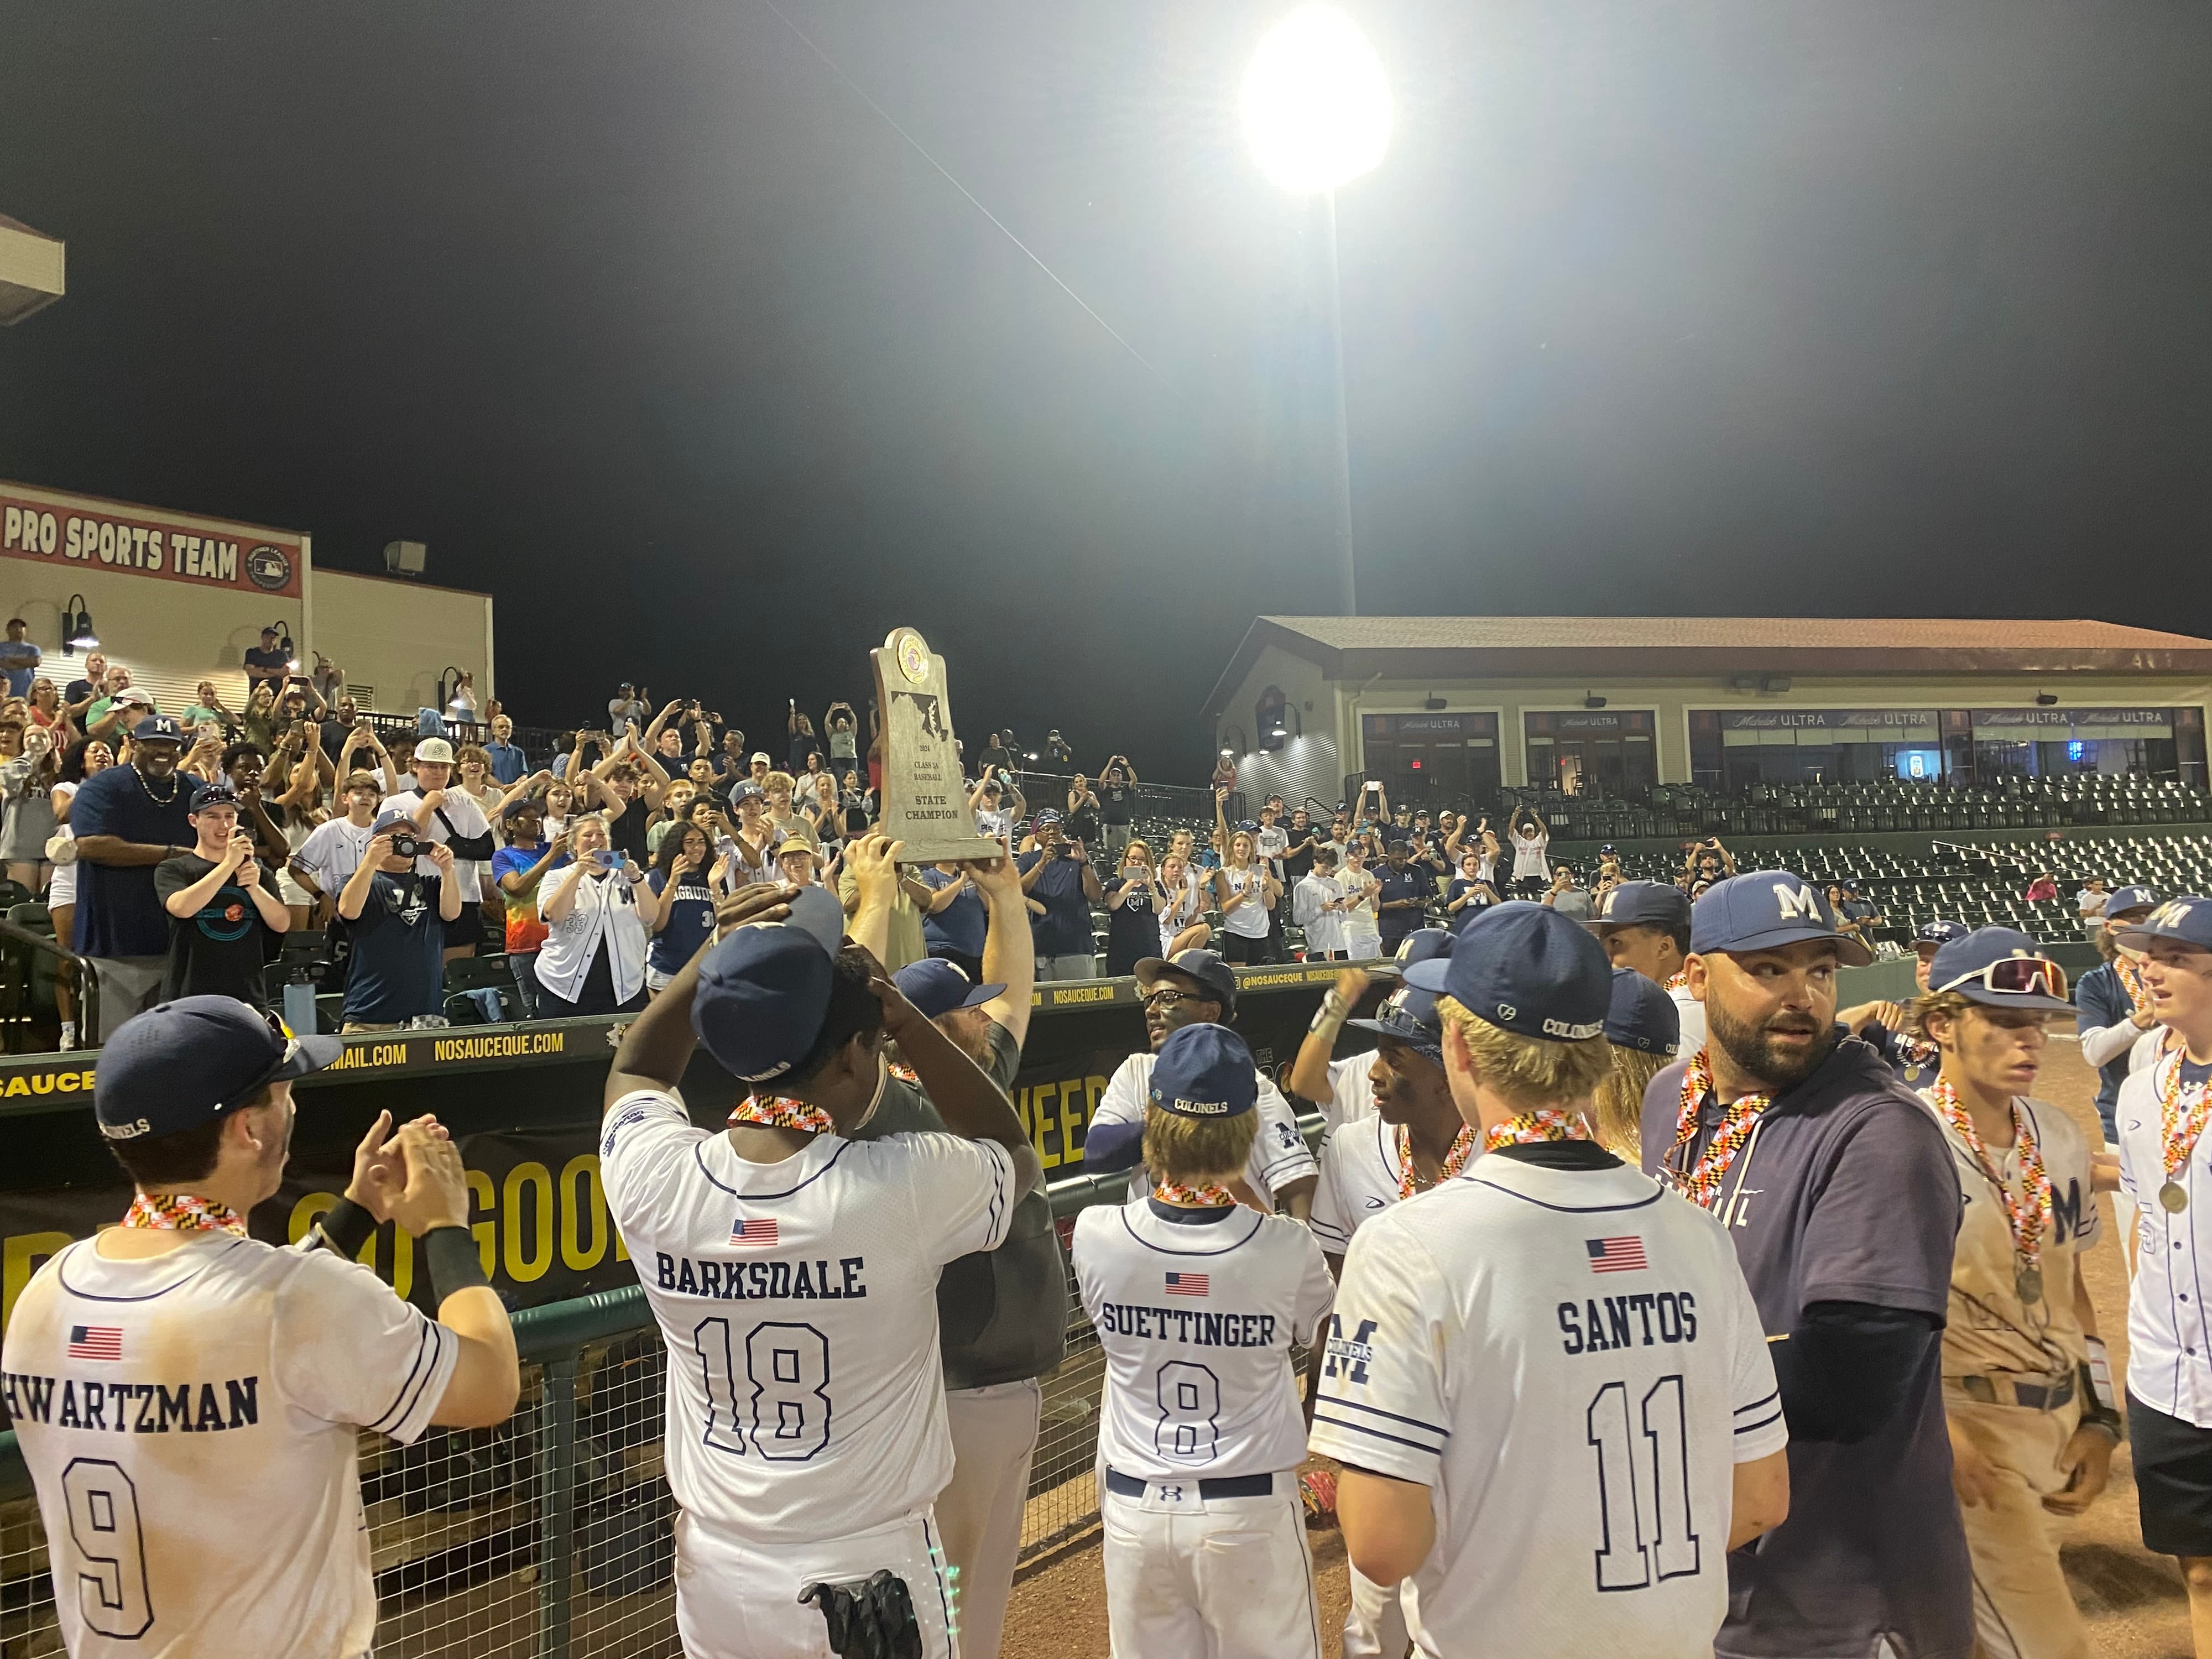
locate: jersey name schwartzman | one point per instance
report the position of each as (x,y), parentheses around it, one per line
(133,1407)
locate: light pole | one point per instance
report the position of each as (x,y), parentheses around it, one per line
(1317,115)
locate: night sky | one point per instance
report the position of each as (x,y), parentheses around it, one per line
(647,323)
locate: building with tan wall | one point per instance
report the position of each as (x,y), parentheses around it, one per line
(1457,707)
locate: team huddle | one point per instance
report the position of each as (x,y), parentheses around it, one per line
(1769,1342)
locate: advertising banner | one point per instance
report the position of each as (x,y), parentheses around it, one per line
(84,532)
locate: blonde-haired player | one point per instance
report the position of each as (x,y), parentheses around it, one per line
(1545,1377)
(1642,1030)
(1197,1301)
(2028,1394)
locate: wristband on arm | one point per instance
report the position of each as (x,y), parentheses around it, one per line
(451,1255)
(345,1228)
(2100,1406)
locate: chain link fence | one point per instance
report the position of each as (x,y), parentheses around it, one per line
(551,1536)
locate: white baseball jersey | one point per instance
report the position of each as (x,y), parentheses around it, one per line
(2169,1331)
(799,1303)
(1360,1173)
(1197,1317)
(1278,1151)
(1570,1360)
(1352,1096)
(191,1423)
(1692,1013)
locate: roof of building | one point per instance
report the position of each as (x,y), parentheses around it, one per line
(1512,647)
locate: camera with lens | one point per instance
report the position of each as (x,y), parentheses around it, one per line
(406,844)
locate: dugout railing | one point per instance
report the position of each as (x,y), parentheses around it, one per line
(550,1536)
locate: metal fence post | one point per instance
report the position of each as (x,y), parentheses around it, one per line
(557,1496)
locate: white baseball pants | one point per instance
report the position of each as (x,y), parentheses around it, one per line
(739,1599)
(1233,1580)
(1379,1624)
(979,1513)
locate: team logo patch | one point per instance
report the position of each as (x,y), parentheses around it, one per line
(96,1342)
(268,568)
(1616,1256)
(1187,1284)
(762,1231)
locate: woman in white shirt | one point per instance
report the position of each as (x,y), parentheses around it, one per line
(1362,932)
(1180,905)
(600,913)
(1246,893)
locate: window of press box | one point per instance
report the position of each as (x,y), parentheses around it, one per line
(1438,759)
(1595,752)
(1732,750)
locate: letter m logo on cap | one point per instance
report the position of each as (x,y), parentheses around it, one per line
(1797,902)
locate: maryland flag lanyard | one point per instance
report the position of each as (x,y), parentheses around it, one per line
(1462,1149)
(2029,1220)
(1523,1129)
(2182,1115)
(1701,1184)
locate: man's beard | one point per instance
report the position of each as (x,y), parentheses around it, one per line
(1749,1046)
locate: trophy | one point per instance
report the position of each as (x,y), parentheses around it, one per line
(924,798)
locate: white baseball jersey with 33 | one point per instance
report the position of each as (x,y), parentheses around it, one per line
(1586,1512)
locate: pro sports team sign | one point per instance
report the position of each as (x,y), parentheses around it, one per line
(85,533)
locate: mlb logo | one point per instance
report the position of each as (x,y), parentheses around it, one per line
(96,1342)
(762,1231)
(1187,1284)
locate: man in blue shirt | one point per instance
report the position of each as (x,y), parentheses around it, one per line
(1059,876)
(2114,1009)
(18,659)
(128,820)
(1403,898)
(395,917)
(509,765)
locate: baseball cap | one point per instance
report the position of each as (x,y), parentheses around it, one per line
(185,1063)
(763,995)
(1205,966)
(747,791)
(135,697)
(393,818)
(1642,904)
(2186,918)
(156,727)
(1608,848)
(938,986)
(1971,967)
(760,757)
(1939,931)
(1642,1015)
(2124,899)
(1248,825)
(212,794)
(1409,1014)
(1044,818)
(1764,909)
(436,750)
(1527,969)
(1205,1072)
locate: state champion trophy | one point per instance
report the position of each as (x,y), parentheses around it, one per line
(924,799)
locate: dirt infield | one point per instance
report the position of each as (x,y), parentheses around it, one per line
(2133,1599)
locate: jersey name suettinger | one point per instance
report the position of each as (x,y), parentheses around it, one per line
(1602,1324)
(1194,1326)
(133,1407)
(762,1281)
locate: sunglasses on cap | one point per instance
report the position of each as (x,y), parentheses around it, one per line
(2017,976)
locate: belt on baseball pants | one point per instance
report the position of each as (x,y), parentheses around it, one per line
(2011,1391)
(1239,1486)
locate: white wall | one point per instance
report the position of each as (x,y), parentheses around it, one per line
(1308,764)
(396,636)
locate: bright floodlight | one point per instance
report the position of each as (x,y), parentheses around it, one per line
(1316,107)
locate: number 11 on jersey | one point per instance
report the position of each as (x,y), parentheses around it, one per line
(1643,1503)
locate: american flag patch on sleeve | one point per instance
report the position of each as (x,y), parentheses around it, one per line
(96,1342)
(762,1231)
(1616,1256)
(1187,1284)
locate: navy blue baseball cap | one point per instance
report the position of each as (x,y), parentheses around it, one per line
(1658,904)
(2124,899)
(1765,909)
(1643,1016)
(938,986)
(1205,966)
(1205,1072)
(2186,918)
(185,1063)
(763,993)
(1527,969)
(394,817)
(212,794)
(1409,1014)
(2001,967)
(747,790)
(1939,931)
(155,727)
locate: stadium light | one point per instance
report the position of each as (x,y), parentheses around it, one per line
(1316,107)
(1316,111)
